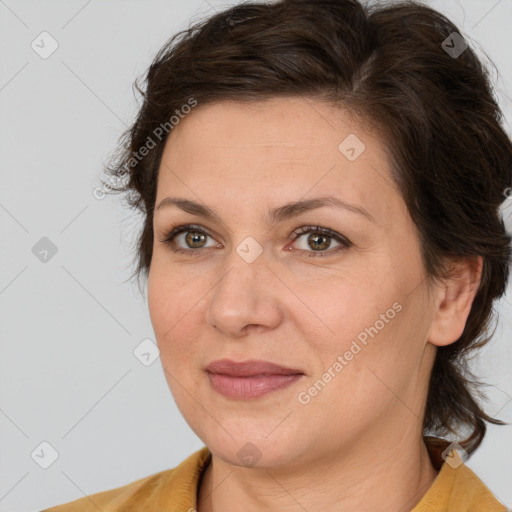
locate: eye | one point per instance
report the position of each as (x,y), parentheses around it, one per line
(194,239)
(192,236)
(319,240)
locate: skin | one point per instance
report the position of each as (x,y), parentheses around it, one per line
(357,444)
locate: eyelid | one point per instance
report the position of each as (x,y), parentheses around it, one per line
(171,234)
(344,242)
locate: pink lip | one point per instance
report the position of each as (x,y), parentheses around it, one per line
(249,368)
(249,379)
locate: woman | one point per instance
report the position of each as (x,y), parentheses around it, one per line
(322,244)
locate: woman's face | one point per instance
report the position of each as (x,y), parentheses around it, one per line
(350,315)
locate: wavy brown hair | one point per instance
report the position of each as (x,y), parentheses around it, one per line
(388,62)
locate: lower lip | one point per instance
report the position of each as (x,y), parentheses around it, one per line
(250,387)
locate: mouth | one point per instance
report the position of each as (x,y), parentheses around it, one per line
(250,379)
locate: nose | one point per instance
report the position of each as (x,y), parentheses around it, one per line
(246,298)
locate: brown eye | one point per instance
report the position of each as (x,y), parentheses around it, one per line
(187,239)
(192,239)
(319,240)
(195,239)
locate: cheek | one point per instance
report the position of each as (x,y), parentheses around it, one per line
(340,309)
(357,342)
(174,304)
(172,295)
(159,304)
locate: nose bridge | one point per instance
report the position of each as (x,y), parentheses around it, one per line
(241,295)
(244,269)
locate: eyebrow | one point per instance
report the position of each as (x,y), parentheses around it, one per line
(274,215)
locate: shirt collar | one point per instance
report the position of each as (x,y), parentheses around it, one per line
(182,484)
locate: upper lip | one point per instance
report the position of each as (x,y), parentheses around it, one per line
(249,368)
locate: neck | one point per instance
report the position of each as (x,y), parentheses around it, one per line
(376,477)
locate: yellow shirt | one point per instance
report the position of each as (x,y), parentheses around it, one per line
(455,489)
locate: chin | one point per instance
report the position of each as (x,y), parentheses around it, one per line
(259,445)
(252,454)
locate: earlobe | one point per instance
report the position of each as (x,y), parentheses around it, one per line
(453,301)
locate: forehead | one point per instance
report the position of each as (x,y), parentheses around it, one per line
(291,125)
(277,149)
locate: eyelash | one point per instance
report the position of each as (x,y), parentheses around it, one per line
(177,230)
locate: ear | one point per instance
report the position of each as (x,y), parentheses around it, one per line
(453,300)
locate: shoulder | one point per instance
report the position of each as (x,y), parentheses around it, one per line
(143,494)
(113,499)
(458,488)
(469,490)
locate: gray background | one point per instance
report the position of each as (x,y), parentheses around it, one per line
(69,326)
